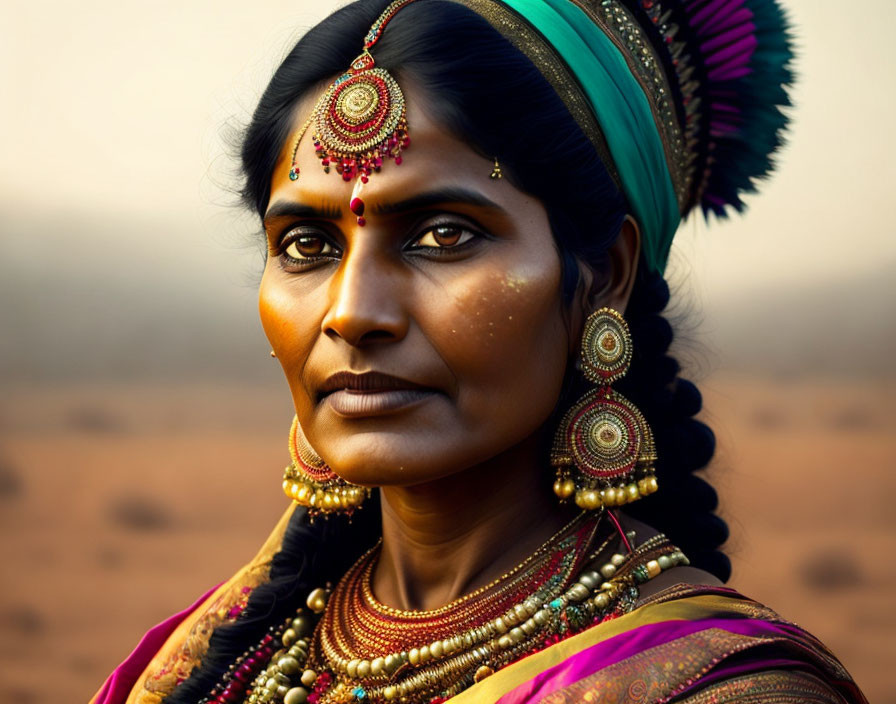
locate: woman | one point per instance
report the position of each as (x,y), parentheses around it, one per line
(460,199)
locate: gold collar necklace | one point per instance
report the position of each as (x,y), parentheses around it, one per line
(364,651)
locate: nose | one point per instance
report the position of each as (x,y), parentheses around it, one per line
(366,304)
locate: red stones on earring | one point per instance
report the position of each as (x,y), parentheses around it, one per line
(604,451)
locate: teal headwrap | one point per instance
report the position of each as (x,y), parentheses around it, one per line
(623,113)
(680,99)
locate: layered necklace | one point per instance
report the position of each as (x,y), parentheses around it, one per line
(361,650)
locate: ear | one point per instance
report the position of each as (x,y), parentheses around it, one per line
(623,257)
(611,286)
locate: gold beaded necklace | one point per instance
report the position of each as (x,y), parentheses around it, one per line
(330,667)
(376,653)
(359,637)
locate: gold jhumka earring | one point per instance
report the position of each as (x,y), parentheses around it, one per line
(310,482)
(603,450)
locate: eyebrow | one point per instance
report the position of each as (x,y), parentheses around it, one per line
(288,208)
(332,211)
(446,195)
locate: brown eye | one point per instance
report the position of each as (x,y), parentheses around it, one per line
(447,236)
(444,236)
(309,246)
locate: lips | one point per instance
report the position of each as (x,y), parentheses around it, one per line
(371,393)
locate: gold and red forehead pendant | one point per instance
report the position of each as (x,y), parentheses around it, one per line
(361,120)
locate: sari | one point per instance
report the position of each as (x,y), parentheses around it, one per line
(687,643)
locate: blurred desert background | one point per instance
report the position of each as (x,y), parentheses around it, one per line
(143,426)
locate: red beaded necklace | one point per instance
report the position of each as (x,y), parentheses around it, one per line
(357,625)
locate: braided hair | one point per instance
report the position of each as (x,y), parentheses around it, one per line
(479,94)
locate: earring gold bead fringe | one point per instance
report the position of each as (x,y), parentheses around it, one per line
(604,452)
(310,482)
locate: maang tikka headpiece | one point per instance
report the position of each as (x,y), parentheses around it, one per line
(361,120)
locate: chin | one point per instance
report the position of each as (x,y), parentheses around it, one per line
(384,459)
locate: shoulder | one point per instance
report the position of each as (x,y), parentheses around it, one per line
(686,643)
(690,636)
(707,643)
(680,575)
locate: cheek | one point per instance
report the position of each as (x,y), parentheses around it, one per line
(505,340)
(290,323)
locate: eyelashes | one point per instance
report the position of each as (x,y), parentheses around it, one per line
(306,246)
(309,246)
(443,237)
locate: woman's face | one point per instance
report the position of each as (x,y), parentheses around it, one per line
(428,340)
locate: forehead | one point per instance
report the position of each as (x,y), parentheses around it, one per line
(436,158)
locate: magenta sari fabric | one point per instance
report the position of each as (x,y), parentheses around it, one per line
(625,645)
(726,648)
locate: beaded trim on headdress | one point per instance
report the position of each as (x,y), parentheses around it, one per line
(618,24)
(714,72)
(729,68)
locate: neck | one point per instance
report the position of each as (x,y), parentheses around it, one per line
(447,538)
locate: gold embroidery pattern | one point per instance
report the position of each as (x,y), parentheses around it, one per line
(736,602)
(531,43)
(750,609)
(629,38)
(658,673)
(639,55)
(770,687)
(224,609)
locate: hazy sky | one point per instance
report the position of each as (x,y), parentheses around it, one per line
(118,108)
(116,112)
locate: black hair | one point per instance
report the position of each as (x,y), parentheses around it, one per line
(493,98)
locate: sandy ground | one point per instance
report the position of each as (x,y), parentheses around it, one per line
(118,506)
